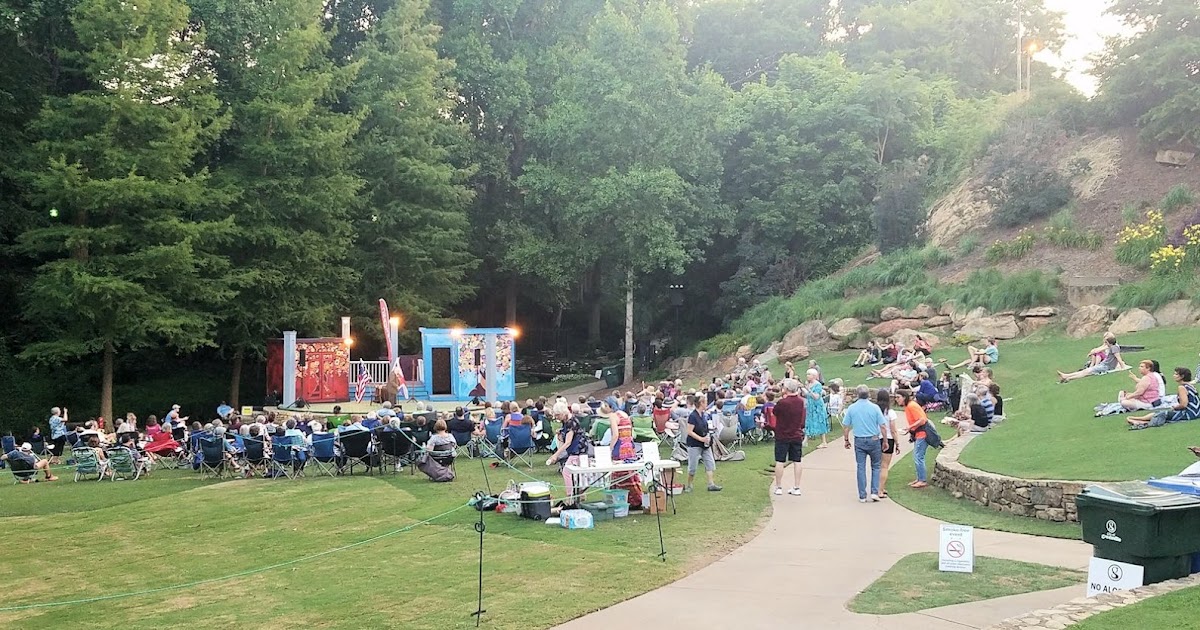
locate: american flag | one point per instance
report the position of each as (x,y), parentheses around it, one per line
(364,379)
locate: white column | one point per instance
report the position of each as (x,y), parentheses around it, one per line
(394,335)
(289,368)
(345,328)
(489,362)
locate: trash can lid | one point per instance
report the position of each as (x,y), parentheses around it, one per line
(1140,494)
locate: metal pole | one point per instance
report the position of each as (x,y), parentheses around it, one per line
(1020,52)
(289,368)
(489,362)
(1029,72)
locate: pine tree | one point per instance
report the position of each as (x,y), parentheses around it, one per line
(127,265)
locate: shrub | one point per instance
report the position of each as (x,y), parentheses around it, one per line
(1167,260)
(1022,182)
(1062,232)
(968,244)
(1130,213)
(721,345)
(1136,243)
(1017,248)
(1180,196)
(1153,292)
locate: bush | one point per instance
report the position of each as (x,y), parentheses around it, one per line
(1136,243)
(899,210)
(1062,232)
(1015,249)
(1022,182)
(721,345)
(968,244)
(1153,292)
(1179,197)
(1168,260)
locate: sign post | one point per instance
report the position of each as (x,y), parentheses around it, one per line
(956,548)
(1108,576)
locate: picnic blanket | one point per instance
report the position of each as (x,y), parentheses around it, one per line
(1114,408)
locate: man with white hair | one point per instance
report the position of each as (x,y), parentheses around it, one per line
(789,435)
(866,422)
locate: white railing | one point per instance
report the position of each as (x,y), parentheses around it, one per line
(380,371)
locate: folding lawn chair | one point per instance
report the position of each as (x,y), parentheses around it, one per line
(394,448)
(465,442)
(520,443)
(492,437)
(22,470)
(212,457)
(283,462)
(324,454)
(356,449)
(122,462)
(254,454)
(8,444)
(39,447)
(745,427)
(87,463)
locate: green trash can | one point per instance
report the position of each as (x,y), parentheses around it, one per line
(612,375)
(1139,524)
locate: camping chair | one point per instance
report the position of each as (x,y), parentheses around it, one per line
(465,443)
(121,461)
(39,447)
(324,454)
(492,439)
(212,457)
(8,444)
(356,449)
(22,470)
(745,427)
(394,448)
(87,463)
(254,454)
(193,444)
(284,460)
(520,443)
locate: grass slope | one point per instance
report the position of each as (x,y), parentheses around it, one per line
(914,583)
(95,539)
(1173,611)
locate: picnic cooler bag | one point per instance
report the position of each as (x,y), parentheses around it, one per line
(535,500)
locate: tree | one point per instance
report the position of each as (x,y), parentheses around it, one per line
(1152,78)
(287,169)
(900,215)
(412,245)
(631,149)
(800,176)
(130,264)
(745,39)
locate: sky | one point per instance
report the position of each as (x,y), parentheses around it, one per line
(1086,29)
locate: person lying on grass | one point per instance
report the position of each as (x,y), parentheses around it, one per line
(1101,360)
(986,355)
(1188,407)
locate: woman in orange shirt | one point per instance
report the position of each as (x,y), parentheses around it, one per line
(917,420)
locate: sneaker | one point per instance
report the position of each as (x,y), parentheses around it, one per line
(714,488)
(794,492)
(778,492)
(862,500)
(874,498)
(687,489)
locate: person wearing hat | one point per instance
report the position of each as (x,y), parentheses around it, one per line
(25,453)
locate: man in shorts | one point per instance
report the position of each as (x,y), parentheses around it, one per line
(25,454)
(789,435)
(699,444)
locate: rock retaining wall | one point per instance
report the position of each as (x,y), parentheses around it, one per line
(1048,500)
(1077,610)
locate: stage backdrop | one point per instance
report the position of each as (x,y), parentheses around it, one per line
(322,369)
(455,362)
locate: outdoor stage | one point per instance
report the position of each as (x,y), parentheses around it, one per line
(351,407)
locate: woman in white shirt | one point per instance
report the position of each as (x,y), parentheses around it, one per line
(891,446)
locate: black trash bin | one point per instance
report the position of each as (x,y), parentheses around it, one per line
(613,375)
(1139,524)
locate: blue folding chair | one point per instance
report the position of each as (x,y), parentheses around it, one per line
(746,425)
(492,437)
(324,455)
(520,443)
(283,462)
(212,457)
(254,453)
(8,444)
(729,406)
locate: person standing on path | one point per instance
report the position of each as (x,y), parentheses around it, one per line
(883,398)
(817,421)
(917,421)
(699,446)
(866,422)
(789,435)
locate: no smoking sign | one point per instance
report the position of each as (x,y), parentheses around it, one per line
(956,551)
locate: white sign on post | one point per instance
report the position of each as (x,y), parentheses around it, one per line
(956,548)
(1108,576)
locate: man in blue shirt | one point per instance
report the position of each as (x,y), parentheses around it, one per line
(385,413)
(865,421)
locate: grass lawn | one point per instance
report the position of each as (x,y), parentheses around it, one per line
(94,539)
(1173,611)
(940,504)
(914,583)
(1051,433)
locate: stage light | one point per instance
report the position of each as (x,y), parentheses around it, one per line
(349,341)
(514,332)
(395,321)
(456,332)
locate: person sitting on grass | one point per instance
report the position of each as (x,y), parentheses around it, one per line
(979,420)
(890,352)
(1101,360)
(1188,407)
(922,346)
(1147,394)
(986,355)
(25,453)
(926,391)
(869,356)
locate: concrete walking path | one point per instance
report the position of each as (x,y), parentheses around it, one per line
(817,552)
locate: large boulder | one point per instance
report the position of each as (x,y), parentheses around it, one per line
(1030,325)
(889,328)
(744,352)
(997,326)
(1133,320)
(890,313)
(844,329)
(908,337)
(794,353)
(938,321)
(961,315)
(947,307)
(771,354)
(809,335)
(1089,320)
(921,311)
(1177,313)
(1039,311)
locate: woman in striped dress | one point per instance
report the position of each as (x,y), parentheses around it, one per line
(1188,407)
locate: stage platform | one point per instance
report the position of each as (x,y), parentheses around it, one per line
(352,407)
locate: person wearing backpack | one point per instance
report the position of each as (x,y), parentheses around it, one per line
(918,430)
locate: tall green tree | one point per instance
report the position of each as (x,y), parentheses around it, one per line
(745,39)
(632,149)
(130,264)
(287,168)
(1152,77)
(412,231)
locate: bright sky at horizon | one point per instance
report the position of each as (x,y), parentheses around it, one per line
(1087,27)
